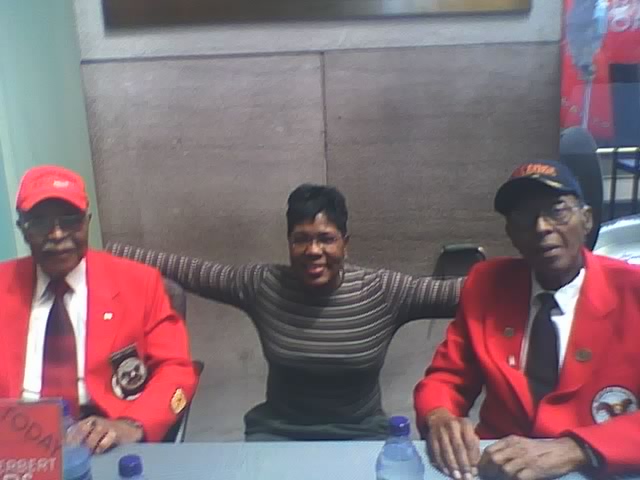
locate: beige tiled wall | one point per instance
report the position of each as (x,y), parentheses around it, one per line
(197,155)
(419,140)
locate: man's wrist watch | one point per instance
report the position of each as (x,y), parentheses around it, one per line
(134,423)
(594,459)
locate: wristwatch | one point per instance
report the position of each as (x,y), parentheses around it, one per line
(596,462)
(134,423)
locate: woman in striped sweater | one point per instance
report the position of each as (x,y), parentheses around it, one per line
(324,325)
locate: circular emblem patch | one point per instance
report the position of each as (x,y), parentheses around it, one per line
(129,378)
(612,402)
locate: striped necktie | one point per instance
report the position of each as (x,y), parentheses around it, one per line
(60,362)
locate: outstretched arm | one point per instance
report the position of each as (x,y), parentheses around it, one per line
(234,285)
(434,297)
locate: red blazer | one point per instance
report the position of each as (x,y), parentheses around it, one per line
(599,385)
(137,312)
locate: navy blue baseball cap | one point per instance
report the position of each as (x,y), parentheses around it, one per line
(550,173)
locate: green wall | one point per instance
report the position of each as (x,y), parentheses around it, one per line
(7,238)
(42,112)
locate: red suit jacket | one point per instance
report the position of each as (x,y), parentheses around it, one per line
(127,306)
(599,385)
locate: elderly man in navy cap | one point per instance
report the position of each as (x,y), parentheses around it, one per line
(552,339)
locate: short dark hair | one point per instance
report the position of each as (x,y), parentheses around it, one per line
(308,200)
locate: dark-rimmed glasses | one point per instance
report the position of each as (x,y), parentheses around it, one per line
(44,225)
(554,215)
(324,240)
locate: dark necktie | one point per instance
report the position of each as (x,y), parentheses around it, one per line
(542,357)
(60,362)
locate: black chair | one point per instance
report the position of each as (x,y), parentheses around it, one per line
(578,151)
(456,260)
(178,299)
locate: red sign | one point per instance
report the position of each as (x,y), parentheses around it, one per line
(30,440)
(619,27)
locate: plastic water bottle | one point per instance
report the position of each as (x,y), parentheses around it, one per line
(76,458)
(601,17)
(130,467)
(399,459)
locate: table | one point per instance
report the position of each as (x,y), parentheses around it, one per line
(259,461)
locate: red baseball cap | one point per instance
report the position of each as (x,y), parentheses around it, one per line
(50,181)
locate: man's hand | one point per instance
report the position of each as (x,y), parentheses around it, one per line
(454,445)
(101,434)
(523,458)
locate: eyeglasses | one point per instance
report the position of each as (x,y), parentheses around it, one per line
(324,240)
(45,225)
(554,215)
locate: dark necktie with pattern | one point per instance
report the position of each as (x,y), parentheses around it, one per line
(542,356)
(60,362)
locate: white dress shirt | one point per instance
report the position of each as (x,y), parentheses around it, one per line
(75,300)
(561,316)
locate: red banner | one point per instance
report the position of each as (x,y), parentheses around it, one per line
(30,441)
(619,44)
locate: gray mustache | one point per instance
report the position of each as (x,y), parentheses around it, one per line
(56,247)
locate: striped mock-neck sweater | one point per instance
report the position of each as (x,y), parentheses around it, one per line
(324,352)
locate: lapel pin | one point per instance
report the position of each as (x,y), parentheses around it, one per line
(583,355)
(509,332)
(511,360)
(107,316)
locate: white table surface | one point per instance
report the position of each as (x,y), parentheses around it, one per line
(258,461)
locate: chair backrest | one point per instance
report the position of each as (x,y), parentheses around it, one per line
(177,297)
(457,259)
(578,151)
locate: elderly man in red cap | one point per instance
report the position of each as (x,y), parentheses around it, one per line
(552,337)
(88,327)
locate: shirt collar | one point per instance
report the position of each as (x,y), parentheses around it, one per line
(566,296)
(75,279)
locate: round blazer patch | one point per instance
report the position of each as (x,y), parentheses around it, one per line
(129,378)
(612,402)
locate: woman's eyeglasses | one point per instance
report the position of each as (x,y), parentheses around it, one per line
(324,240)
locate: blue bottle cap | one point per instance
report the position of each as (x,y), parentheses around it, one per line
(76,462)
(399,426)
(130,466)
(66,408)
